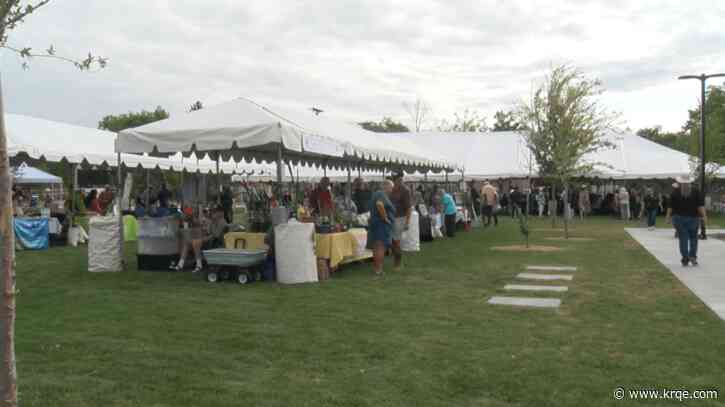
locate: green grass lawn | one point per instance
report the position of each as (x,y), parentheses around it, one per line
(422,337)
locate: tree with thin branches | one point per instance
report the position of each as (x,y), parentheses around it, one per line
(565,122)
(418,112)
(12,14)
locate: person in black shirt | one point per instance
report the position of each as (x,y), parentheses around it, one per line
(163,196)
(518,201)
(361,196)
(227,204)
(687,206)
(651,206)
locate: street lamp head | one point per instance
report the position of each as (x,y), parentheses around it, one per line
(702,77)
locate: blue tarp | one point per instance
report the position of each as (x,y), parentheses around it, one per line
(32,233)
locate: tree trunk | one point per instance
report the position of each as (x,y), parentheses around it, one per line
(8,376)
(552,206)
(566,211)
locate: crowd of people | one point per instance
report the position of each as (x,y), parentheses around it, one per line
(627,203)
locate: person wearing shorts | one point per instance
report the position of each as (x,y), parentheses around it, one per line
(199,233)
(403,204)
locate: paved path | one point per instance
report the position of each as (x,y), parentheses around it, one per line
(526,302)
(707,280)
(544,277)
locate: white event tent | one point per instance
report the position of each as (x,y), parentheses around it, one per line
(25,174)
(242,130)
(501,155)
(55,142)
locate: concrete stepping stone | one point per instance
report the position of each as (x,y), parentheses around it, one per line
(544,277)
(525,287)
(526,302)
(550,268)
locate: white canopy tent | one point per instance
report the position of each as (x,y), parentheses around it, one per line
(25,174)
(498,155)
(244,130)
(55,142)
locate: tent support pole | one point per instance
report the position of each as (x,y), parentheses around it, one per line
(348,189)
(279,173)
(119,199)
(183,170)
(148,192)
(218,182)
(74,189)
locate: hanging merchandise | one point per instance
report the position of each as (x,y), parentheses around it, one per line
(257,202)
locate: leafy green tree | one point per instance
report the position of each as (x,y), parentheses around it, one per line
(565,123)
(387,125)
(506,121)
(116,123)
(12,14)
(468,121)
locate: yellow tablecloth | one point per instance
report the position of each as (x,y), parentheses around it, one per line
(254,240)
(335,246)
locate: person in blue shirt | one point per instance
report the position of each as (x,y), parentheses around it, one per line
(449,211)
(380,232)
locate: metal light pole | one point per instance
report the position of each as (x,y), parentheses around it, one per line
(702,78)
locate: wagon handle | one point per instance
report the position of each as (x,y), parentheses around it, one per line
(240,239)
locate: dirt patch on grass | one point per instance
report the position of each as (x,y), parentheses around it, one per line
(573,239)
(523,248)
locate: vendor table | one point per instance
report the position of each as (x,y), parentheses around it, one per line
(158,242)
(342,248)
(31,233)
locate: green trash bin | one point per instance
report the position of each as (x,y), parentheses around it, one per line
(130,228)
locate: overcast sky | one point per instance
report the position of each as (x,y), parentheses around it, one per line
(362,59)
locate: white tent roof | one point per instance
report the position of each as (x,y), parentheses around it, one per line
(505,155)
(55,141)
(364,144)
(243,130)
(25,174)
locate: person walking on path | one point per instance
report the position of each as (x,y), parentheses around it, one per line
(449,212)
(490,202)
(623,198)
(687,207)
(403,203)
(585,205)
(380,233)
(651,207)
(541,201)
(518,201)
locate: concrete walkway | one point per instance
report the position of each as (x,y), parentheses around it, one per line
(707,280)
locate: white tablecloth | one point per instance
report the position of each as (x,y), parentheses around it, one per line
(54,227)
